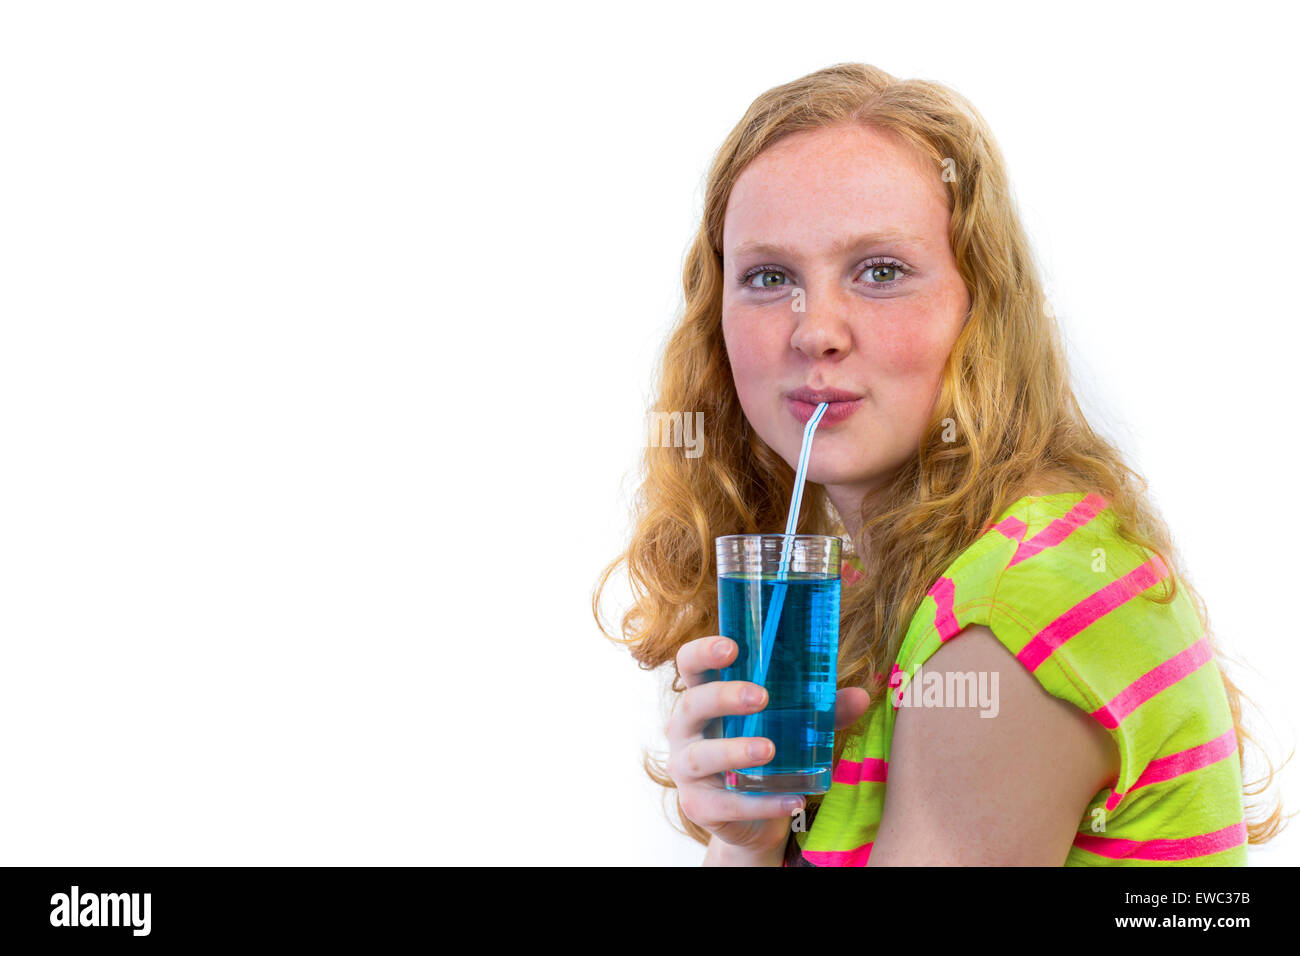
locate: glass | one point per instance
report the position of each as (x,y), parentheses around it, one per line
(799,718)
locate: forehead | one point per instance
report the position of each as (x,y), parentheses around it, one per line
(812,187)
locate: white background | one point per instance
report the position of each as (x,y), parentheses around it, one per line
(327,339)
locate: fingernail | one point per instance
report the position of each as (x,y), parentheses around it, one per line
(752,697)
(720,648)
(757,750)
(792,803)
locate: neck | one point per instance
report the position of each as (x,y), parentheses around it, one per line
(848,505)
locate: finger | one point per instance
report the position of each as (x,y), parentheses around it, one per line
(698,705)
(725,811)
(703,654)
(850,704)
(707,758)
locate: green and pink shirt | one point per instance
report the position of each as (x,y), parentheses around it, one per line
(1062,591)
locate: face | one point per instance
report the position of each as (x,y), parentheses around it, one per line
(838,274)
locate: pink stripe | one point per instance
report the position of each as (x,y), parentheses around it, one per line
(1182,762)
(943,591)
(856,857)
(1186,761)
(1153,682)
(1012,527)
(893,675)
(1060,529)
(871,770)
(1186,848)
(1090,609)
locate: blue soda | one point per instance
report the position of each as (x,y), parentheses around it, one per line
(800,715)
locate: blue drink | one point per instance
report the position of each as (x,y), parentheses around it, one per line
(799,718)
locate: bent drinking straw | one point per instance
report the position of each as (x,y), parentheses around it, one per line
(778,590)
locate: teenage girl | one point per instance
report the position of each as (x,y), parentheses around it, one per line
(860,246)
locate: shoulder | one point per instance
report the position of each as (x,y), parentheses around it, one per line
(1080,606)
(1059,531)
(1017,568)
(1002,783)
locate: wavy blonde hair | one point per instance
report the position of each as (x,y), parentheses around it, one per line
(1006,385)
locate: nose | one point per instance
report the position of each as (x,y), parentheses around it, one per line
(821,330)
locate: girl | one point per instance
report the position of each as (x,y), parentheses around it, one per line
(860,246)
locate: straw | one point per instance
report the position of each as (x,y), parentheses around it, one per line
(778,591)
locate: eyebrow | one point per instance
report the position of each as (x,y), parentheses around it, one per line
(839,246)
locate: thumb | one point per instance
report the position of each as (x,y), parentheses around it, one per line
(850,704)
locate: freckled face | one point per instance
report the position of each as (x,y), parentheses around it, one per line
(858,222)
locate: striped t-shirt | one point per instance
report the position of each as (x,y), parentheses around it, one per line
(1062,590)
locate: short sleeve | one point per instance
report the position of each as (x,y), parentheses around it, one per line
(1077,606)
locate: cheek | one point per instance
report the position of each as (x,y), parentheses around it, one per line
(914,343)
(906,351)
(908,363)
(750,357)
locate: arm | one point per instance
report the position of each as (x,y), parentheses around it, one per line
(1006,790)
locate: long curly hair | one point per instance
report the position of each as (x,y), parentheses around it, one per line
(1005,387)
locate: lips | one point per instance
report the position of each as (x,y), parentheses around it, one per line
(835,412)
(815,396)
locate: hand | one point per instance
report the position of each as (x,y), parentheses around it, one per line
(757,824)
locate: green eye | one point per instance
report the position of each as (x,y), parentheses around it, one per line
(764,274)
(771,277)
